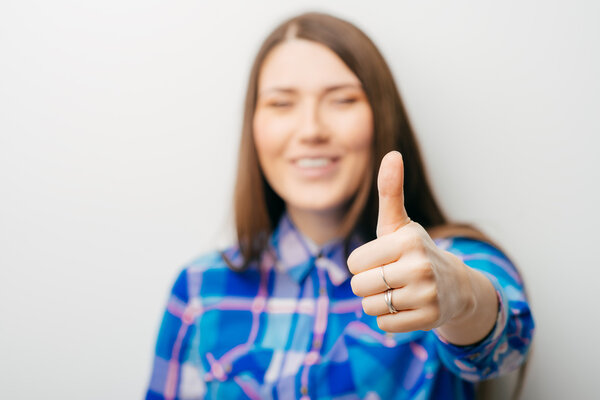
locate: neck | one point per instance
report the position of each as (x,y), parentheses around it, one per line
(318,226)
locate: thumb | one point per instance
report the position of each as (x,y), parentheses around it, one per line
(390,183)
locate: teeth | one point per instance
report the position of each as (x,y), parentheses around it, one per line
(313,162)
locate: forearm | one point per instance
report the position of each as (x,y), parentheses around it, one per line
(479,317)
(485,344)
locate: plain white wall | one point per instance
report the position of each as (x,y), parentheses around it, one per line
(119,123)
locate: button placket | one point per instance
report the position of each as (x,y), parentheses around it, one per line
(320,325)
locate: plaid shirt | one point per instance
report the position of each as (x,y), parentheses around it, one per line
(290,327)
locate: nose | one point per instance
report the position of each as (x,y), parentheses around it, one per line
(311,128)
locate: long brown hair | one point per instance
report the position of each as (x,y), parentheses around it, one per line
(258,208)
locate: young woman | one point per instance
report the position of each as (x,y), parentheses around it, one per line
(346,281)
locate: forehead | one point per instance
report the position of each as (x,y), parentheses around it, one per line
(303,65)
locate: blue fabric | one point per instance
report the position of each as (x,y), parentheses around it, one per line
(290,327)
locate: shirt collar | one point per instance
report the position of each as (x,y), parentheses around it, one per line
(298,254)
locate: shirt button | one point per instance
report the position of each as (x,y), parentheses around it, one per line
(304,390)
(322,291)
(227,368)
(188,316)
(317,344)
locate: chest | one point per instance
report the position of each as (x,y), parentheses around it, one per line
(312,339)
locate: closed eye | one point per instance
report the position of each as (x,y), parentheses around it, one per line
(280,104)
(348,100)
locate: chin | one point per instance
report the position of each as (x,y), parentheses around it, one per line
(321,206)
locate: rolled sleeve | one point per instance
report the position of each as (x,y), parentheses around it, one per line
(506,345)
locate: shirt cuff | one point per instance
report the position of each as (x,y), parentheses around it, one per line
(466,359)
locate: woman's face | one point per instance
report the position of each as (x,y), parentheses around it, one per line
(313,127)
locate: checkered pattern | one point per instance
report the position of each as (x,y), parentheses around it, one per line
(290,327)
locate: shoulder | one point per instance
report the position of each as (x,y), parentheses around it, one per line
(189,278)
(461,246)
(210,274)
(485,257)
(206,261)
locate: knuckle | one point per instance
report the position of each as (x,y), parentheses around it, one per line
(412,240)
(434,316)
(430,295)
(422,271)
(425,271)
(423,323)
(428,327)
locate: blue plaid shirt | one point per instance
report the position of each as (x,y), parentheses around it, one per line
(290,327)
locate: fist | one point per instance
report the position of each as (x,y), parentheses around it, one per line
(403,277)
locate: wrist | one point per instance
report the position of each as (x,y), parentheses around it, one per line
(477,316)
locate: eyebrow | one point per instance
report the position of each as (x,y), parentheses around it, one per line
(326,90)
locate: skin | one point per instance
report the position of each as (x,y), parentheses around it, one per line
(432,288)
(311,104)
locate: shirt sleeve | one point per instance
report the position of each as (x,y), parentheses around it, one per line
(172,377)
(505,348)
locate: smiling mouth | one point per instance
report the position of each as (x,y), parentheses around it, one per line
(317,162)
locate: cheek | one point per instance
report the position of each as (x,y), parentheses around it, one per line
(264,137)
(359,142)
(357,130)
(270,134)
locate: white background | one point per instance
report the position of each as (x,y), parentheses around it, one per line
(119,124)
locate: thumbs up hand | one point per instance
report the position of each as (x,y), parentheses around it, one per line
(404,278)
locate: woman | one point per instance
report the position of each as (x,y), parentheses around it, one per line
(336,288)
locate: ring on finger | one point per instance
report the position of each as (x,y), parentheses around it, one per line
(387,296)
(387,285)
